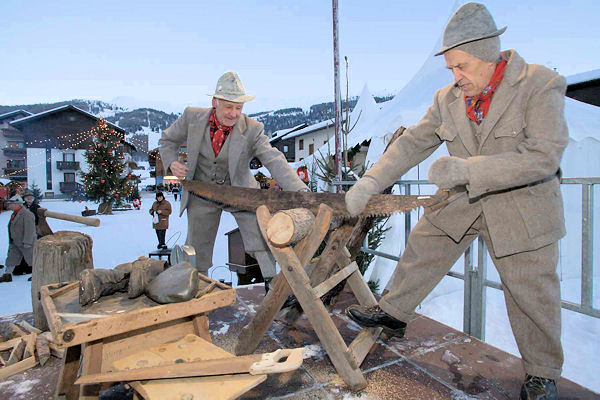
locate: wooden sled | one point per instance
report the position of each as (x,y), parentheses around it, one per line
(114,327)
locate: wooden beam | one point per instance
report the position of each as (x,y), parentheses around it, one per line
(330,283)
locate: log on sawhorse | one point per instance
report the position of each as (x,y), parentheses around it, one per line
(308,291)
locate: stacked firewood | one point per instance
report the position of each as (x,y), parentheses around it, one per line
(24,348)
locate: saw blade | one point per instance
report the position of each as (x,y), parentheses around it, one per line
(250,199)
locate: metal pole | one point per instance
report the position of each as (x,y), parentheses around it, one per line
(337,94)
(587,246)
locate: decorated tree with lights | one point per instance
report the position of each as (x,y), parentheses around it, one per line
(105,182)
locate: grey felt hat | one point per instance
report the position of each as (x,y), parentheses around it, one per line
(16,199)
(230,88)
(470,23)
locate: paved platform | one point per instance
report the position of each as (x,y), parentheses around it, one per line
(433,361)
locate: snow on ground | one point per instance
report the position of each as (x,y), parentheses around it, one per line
(127,235)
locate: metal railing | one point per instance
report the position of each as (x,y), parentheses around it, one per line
(474,277)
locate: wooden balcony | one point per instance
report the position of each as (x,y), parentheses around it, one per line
(67,165)
(14,151)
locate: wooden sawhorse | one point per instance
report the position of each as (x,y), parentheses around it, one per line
(294,277)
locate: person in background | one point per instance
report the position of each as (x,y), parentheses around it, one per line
(21,236)
(161,209)
(175,192)
(31,204)
(221,141)
(503,123)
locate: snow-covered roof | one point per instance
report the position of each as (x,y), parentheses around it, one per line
(277,135)
(583,77)
(311,128)
(11,113)
(59,109)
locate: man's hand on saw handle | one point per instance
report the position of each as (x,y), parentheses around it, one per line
(358,196)
(178,169)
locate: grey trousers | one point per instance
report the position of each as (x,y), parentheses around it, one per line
(15,254)
(203,224)
(529,279)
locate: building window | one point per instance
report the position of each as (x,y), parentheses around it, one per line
(311,148)
(285,149)
(301,144)
(69,157)
(69,177)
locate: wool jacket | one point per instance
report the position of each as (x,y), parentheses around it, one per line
(513,162)
(22,235)
(246,141)
(163,218)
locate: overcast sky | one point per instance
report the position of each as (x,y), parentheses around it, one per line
(172,52)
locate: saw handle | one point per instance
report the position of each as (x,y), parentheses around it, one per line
(271,362)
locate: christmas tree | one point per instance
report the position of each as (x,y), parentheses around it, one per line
(105,182)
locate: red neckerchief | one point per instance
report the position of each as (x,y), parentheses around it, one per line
(14,214)
(218,132)
(478,105)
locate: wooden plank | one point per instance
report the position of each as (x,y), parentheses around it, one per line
(43,350)
(17,368)
(9,344)
(201,327)
(255,364)
(220,387)
(54,322)
(16,354)
(56,289)
(224,366)
(361,290)
(65,387)
(252,333)
(316,312)
(29,345)
(330,283)
(361,345)
(128,343)
(91,364)
(99,328)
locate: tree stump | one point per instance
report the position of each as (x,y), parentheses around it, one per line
(59,257)
(105,208)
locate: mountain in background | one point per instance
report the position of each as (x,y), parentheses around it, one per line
(144,125)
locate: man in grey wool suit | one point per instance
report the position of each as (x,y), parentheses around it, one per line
(221,141)
(503,124)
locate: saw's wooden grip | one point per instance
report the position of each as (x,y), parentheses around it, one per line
(73,218)
(274,362)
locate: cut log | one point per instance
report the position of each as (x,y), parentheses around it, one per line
(289,226)
(43,349)
(16,354)
(59,257)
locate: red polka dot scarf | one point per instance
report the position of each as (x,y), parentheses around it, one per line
(218,132)
(478,105)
